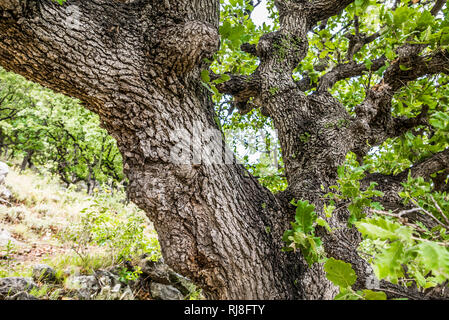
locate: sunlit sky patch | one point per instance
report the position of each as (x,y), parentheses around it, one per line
(260,14)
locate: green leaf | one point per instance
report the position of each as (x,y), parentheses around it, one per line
(401,16)
(382,229)
(323,223)
(223,78)
(404,68)
(388,264)
(340,273)
(368,63)
(205,76)
(374,295)
(425,20)
(434,258)
(440,120)
(345,294)
(305,216)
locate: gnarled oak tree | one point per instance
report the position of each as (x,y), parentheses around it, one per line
(138,64)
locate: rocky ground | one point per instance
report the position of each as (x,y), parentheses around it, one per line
(38,262)
(156,282)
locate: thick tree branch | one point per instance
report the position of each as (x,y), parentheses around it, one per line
(10,5)
(242,88)
(373,122)
(347,70)
(357,41)
(437,7)
(210,214)
(249,48)
(402,124)
(306,83)
(390,185)
(433,164)
(439,181)
(410,68)
(183,56)
(340,72)
(323,9)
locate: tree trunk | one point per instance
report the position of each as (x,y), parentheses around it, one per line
(26,162)
(137,64)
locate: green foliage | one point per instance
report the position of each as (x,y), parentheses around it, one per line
(7,254)
(255,144)
(379,228)
(427,262)
(126,275)
(401,253)
(237,27)
(342,275)
(348,189)
(302,235)
(58,133)
(411,253)
(119,232)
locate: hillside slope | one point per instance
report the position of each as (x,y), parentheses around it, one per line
(69,244)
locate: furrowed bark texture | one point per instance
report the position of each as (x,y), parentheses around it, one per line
(137,64)
(316,132)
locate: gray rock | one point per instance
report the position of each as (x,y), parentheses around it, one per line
(181,283)
(4,170)
(6,237)
(86,287)
(161,291)
(127,294)
(22,296)
(111,286)
(107,293)
(13,285)
(118,292)
(161,273)
(102,285)
(156,271)
(44,273)
(106,278)
(5,194)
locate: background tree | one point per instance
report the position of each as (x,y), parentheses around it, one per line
(355,90)
(57,133)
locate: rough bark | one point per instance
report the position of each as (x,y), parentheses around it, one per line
(26,162)
(137,64)
(316,131)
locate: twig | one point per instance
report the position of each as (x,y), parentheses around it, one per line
(428,213)
(444,244)
(439,209)
(396,215)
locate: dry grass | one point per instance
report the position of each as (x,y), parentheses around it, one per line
(40,214)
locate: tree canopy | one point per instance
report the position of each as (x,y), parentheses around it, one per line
(369,45)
